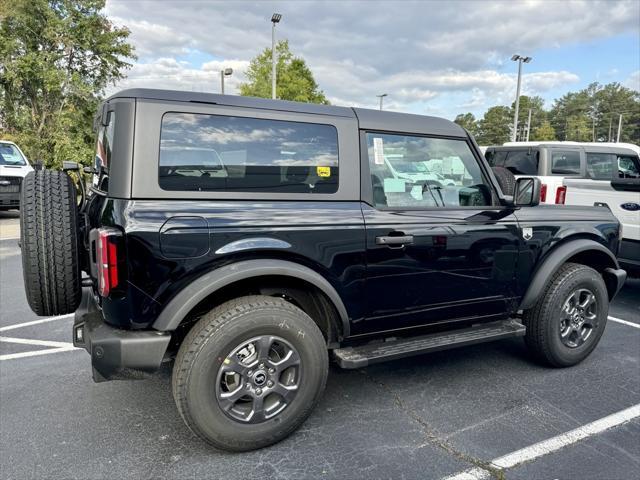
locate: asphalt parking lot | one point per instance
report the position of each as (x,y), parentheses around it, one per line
(456,414)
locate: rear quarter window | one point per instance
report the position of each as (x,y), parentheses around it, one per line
(565,162)
(226,153)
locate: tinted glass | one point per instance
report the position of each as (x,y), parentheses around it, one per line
(496,158)
(10,155)
(422,172)
(600,165)
(522,162)
(225,153)
(565,162)
(104,146)
(628,166)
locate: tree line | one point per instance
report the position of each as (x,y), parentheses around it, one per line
(589,115)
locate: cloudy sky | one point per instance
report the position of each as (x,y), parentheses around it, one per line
(431,57)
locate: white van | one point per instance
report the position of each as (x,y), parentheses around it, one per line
(13,168)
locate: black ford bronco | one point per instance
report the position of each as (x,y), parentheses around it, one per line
(246,239)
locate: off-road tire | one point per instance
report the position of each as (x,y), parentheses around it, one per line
(49,242)
(506,180)
(206,347)
(543,320)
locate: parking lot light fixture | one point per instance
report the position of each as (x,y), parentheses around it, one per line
(381,97)
(275,18)
(519,59)
(225,72)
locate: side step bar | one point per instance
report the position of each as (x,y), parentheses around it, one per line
(363,355)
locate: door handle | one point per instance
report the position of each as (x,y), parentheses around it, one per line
(395,240)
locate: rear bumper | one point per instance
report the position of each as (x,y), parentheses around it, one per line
(116,354)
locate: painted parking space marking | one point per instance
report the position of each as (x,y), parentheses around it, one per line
(54,347)
(550,445)
(35,322)
(624,322)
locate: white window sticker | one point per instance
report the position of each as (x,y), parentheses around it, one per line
(378,151)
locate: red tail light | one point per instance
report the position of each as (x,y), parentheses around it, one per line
(543,193)
(561,193)
(107,260)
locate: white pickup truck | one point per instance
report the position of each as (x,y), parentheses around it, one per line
(13,168)
(574,173)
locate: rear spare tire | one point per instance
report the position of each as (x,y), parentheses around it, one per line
(506,180)
(49,241)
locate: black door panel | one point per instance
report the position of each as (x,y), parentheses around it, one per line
(459,264)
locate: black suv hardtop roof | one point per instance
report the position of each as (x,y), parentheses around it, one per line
(367,119)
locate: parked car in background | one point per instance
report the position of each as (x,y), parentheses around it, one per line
(552,162)
(613,181)
(13,168)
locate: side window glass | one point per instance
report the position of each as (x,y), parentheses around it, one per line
(421,172)
(600,165)
(240,154)
(496,158)
(628,167)
(522,162)
(565,162)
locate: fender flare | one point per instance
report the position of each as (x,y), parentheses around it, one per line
(179,306)
(556,259)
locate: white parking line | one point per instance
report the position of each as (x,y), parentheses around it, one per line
(624,322)
(35,353)
(40,343)
(35,322)
(551,445)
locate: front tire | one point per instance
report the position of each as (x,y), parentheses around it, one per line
(249,373)
(569,318)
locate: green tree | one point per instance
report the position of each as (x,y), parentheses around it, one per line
(543,132)
(538,115)
(494,127)
(56,58)
(294,80)
(468,121)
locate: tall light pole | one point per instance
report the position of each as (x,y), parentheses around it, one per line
(381,97)
(275,18)
(519,59)
(226,72)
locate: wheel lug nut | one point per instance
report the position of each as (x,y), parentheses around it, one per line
(259,391)
(261,366)
(250,372)
(269,383)
(272,370)
(247,386)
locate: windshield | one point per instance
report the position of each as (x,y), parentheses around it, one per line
(10,155)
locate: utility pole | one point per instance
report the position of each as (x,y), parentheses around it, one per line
(529,125)
(619,128)
(593,133)
(275,18)
(225,72)
(381,97)
(519,59)
(610,125)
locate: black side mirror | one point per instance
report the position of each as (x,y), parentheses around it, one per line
(527,192)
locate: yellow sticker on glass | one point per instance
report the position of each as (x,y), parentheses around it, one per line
(323,171)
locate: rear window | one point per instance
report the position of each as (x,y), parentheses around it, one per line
(565,162)
(519,162)
(10,155)
(225,153)
(104,147)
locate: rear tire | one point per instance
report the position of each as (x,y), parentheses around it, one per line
(233,338)
(49,242)
(506,180)
(558,334)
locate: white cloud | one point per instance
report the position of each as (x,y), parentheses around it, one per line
(421,53)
